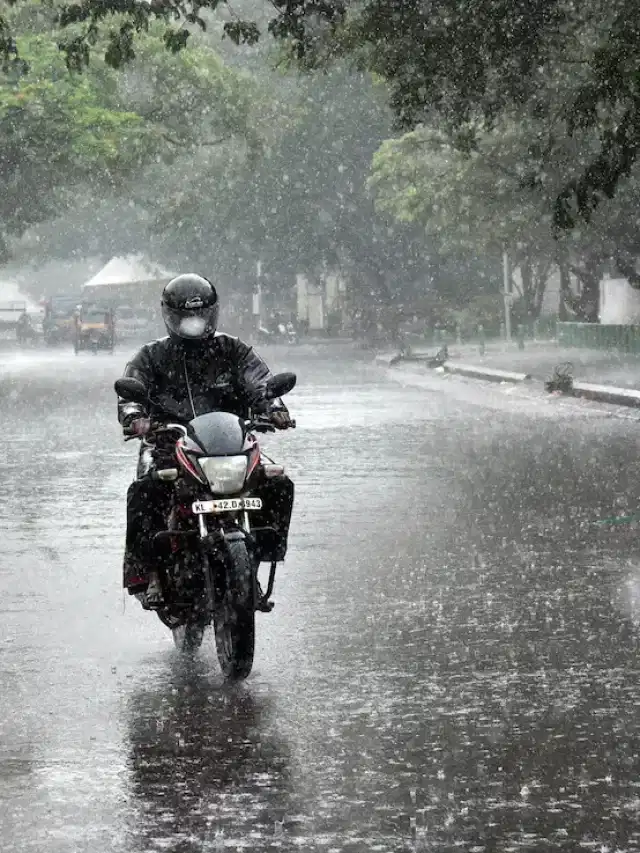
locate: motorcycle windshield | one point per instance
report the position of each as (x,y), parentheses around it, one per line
(219,433)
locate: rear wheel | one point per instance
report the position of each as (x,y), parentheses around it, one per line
(234,614)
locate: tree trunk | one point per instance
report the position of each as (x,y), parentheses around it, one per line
(565,291)
(534,274)
(4,248)
(590,298)
(526,274)
(587,305)
(542,271)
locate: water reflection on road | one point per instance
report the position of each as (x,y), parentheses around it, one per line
(451,664)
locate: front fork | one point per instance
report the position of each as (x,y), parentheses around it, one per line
(208,574)
(204,532)
(262,600)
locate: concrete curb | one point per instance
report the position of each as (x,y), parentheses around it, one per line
(486,373)
(586,390)
(471,370)
(605,394)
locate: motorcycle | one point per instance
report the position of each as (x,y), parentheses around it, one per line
(214,463)
(292,335)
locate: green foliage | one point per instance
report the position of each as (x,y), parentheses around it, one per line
(521,123)
(466,65)
(67,138)
(301,205)
(54,132)
(501,194)
(486,310)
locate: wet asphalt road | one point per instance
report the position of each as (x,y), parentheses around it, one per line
(452,663)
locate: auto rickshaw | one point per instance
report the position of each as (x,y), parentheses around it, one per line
(94,328)
(58,325)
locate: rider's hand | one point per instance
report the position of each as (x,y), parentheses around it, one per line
(280,419)
(138,426)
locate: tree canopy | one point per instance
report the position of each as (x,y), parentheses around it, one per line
(464,63)
(513,121)
(67,139)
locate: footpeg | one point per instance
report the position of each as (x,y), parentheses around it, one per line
(142,598)
(265,606)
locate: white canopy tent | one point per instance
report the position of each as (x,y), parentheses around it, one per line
(127,272)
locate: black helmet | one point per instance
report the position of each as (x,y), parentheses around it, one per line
(190,307)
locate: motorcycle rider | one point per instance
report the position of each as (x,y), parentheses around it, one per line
(24,329)
(179,372)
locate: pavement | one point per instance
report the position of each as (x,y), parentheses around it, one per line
(540,358)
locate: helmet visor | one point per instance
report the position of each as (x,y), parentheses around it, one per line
(191,325)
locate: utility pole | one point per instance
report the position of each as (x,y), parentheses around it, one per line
(257,299)
(506,275)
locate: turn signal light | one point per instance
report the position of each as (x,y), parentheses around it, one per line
(168,474)
(273,470)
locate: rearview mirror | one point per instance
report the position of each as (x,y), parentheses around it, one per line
(281,384)
(131,390)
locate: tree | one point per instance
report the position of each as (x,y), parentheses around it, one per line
(500,196)
(471,203)
(56,131)
(463,62)
(302,205)
(68,141)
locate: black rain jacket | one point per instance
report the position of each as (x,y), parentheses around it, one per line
(181,378)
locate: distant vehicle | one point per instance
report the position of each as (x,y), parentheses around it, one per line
(292,335)
(279,334)
(94,328)
(58,325)
(26,334)
(132,323)
(10,314)
(21,318)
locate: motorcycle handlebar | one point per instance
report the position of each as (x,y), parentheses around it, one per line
(158,429)
(259,425)
(266,425)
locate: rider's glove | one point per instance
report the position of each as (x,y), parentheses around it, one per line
(137,426)
(280,419)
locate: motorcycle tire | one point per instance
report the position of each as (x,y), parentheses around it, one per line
(234,616)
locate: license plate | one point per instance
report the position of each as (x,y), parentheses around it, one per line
(225,505)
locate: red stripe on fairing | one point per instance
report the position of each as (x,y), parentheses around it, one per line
(254,459)
(184,460)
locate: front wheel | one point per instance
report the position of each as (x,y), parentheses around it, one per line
(188,638)
(234,615)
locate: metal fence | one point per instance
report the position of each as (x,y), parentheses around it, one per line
(543,329)
(599,336)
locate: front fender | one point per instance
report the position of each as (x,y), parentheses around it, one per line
(235,536)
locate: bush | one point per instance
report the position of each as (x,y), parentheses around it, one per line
(486,310)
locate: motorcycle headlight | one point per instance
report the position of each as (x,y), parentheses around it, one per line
(225,474)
